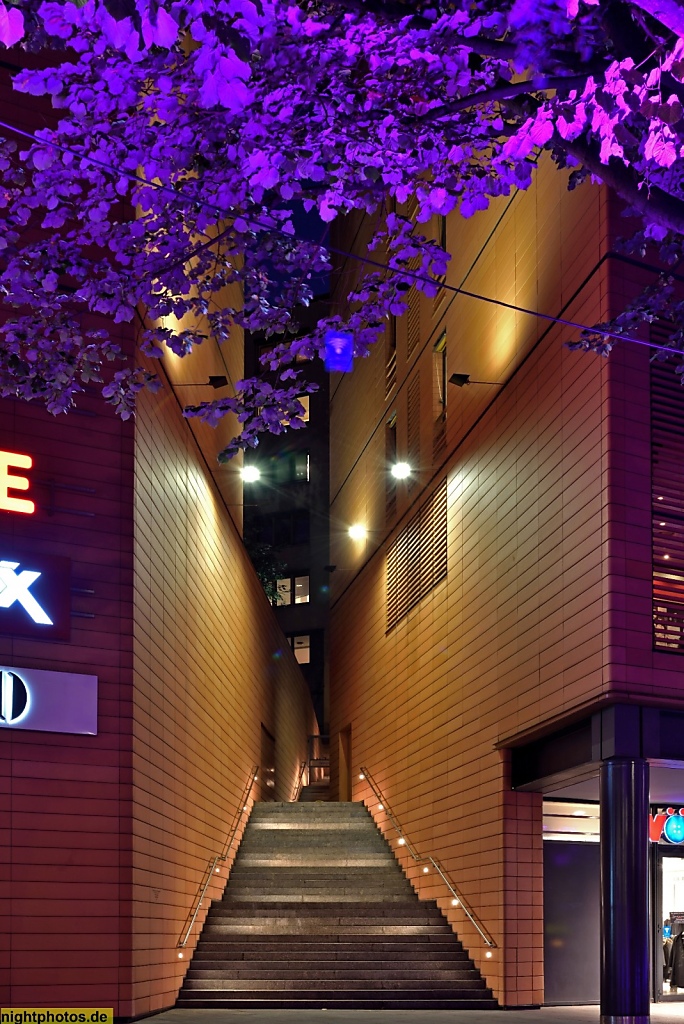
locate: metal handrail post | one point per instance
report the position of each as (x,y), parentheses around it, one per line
(211,867)
(299,782)
(458,899)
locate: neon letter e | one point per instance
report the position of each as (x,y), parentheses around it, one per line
(9,481)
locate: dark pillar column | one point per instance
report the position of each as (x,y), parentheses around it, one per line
(625,996)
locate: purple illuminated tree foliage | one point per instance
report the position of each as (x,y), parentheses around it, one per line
(188,133)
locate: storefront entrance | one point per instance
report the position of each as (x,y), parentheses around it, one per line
(572,902)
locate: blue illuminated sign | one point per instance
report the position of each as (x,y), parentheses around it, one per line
(339,351)
(673,829)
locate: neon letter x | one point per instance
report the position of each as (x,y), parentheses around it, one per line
(15,587)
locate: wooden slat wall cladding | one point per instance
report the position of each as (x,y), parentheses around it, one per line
(667,480)
(417,560)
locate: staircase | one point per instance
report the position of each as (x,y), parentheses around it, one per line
(318,914)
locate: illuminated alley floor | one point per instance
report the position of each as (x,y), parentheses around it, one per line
(662,1013)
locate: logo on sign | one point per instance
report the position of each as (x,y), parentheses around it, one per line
(15,587)
(667,824)
(15,698)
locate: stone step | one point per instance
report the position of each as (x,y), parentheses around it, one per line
(341,1001)
(381,897)
(357,984)
(276,960)
(328,922)
(289,927)
(302,946)
(348,911)
(349,972)
(370,943)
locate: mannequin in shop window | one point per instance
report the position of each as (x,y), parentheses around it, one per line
(667,949)
(677,958)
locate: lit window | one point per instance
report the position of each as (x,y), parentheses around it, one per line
(304,400)
(292,590)
(439,378)
(301,645)
(301,590)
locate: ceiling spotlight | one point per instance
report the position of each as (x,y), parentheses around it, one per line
(358,531)
(250,474)
(401,470)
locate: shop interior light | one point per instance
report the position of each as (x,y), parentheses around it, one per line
(358,531)
(250,474)
(401,470)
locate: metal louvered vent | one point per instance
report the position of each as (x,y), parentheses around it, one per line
(417,560)
(667,482)
(413,321)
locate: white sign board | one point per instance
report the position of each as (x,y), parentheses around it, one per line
(47,701)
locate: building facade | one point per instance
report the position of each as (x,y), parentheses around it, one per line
(492,635)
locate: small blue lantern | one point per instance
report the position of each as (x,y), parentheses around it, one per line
(339,351)
(673,830)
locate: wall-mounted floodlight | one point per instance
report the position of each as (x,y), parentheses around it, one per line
(401,470)
(460,379)
(358,531)
(250,474)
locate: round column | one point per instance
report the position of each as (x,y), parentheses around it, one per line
(625,995)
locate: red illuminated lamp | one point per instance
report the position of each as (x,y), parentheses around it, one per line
(12,482)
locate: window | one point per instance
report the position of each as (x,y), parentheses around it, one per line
(301,645)
(304,400)
(391,355)
(391,458)
(439,378)
(282,529)
(667,503)
(292,590)
(413,427)
(291,467)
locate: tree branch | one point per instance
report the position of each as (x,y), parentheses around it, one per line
(669,13)
(651,202)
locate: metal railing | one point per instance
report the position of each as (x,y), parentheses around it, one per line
(212,864)
(300,782)
(457,899)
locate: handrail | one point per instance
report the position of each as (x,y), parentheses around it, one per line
(211,868)
(299,783)
(457,898)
